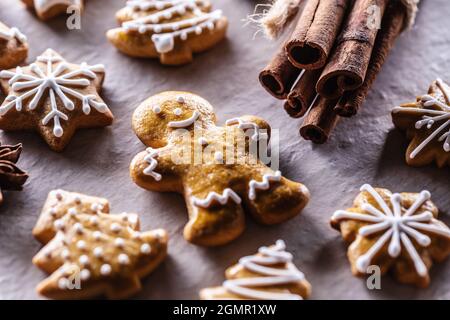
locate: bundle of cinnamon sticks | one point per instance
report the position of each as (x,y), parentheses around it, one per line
(330,61)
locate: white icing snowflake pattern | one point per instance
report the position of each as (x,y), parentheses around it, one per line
(430,116)
(398,225)
(51,83)
(164,34)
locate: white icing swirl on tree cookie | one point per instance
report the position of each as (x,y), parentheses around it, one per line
(50,83)
(263,185)
(269,276)
(153,163)
(434,111)
(398,225)
(13,33)
(212,197)
(164,34)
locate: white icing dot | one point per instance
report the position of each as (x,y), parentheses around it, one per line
(136,235)
(97,235)
(218,156)
(62,283)
(105,269)
(78,228)
(175,27)
(180,99)
(95,207)
(210,25)
(85,274)
(53,212)
(181,10)
(81,244)
(93,220)
(72,212)
(202,141)
(58,196)
(84,260)
(156,109)
(198,30)
(159,5)
(154,19)
(145,248)
(157,29)
(58,224)
(124,216)
(48,254)
(119,242)
(183,36)
(178,112)
(123,259)
(115,227)
(167,15)
(77,200)
(98,252)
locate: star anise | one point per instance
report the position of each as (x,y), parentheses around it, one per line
(11,176)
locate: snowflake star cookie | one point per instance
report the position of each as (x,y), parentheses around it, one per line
(13,47)
(53,97)
(399,233)
(47,9)
(171,30)
(427,124)
(267,275)
(89,252)
(216,182)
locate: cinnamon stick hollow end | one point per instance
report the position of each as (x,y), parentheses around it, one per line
(279,75)
(320,121)
(333,84)
(302,94)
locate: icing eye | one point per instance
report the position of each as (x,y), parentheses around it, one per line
(178,112)
(156,109)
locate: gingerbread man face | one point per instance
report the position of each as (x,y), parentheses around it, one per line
(427,124)
(169,30)
(217,183)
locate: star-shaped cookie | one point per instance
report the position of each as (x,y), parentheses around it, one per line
(53,97)
(47,9)
(427,124)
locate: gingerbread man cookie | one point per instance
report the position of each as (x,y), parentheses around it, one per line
(89,253)
(13,47)
(47,9)
(53,97)
(217,178)
(400,233)
(171,30)
(427,124)
(267,275)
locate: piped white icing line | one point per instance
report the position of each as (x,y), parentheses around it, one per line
(13,33)
(398,225)
(153,163)
(431,116)
(223,198)
(54,82)
(269,276)
(245,125)
(164,34)
(44,5)
(185,123)
(263,185)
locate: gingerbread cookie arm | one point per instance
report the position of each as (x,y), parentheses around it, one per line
(13,47)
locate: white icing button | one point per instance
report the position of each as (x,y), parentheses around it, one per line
(98,252)
(119,242)
(84,260)
(145,248)
(105,269)
(123,259)
(81,244)
(156,109)
(178,112)
(85,274)
(115,227)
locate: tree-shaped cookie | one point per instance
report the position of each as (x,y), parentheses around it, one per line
(267,275)
(89,253)
(13,47)
(427,124)
(399,233)
(171,30)
(47,9)
(53,97)
(212,166)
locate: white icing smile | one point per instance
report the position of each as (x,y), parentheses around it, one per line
(185,123)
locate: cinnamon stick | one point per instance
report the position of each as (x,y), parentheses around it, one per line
(347,67)
(315,33)
(279,75)
(302,94)
(391,28)
(320,120)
